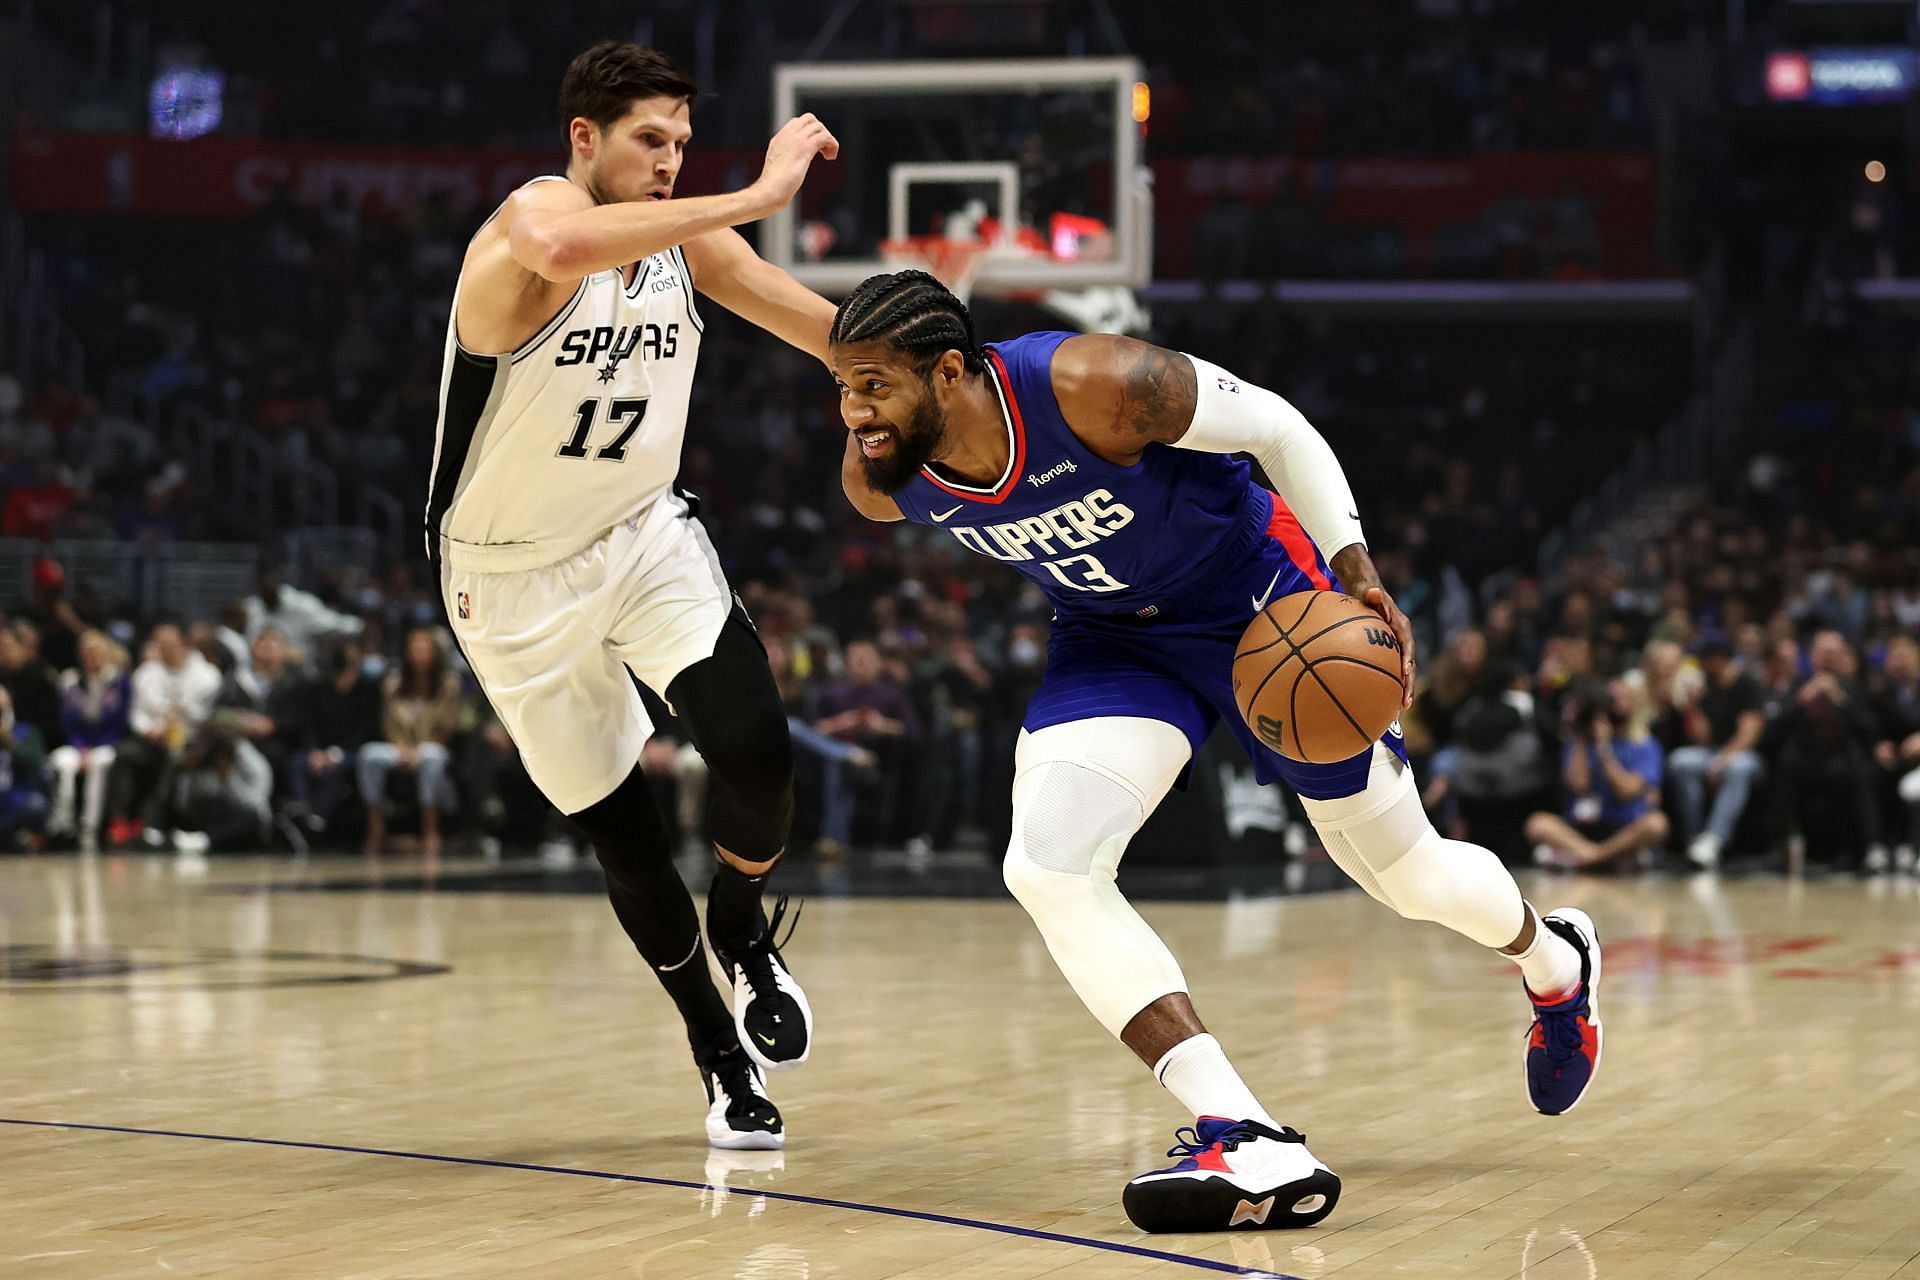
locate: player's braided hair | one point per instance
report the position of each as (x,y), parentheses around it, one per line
(912,311)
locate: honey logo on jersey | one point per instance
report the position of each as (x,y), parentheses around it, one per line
(1065,466)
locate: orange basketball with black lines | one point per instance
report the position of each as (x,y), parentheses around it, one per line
(1317,676)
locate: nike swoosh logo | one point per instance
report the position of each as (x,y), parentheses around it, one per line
(1260,601)
(765,1040)
(942,517)
(1353,515)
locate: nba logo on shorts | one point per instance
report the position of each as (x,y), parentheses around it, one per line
(465,605)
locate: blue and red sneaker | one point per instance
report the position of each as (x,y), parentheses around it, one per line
(1563,1044)
(1233,1174)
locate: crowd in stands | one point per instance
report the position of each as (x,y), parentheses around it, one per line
(1748,685)
(289,722)
(904,660)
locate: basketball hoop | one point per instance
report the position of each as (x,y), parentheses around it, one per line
(955,263)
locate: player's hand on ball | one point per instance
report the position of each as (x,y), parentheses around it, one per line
(791,153)
(1377,599)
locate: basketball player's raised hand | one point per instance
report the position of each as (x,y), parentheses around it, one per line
(791,153)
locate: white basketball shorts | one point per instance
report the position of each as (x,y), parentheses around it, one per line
(552,646)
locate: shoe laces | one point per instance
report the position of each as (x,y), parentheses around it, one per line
(1188,1142)
(1560,1029)
(734,1070)
(1561,1033)
(758,957)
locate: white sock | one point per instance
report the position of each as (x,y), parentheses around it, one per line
(1197,1072)
(1550,965)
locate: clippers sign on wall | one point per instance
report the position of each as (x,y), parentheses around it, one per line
(231,177)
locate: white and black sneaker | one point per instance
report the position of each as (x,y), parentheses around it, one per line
(1234,1175)
(740,1116)
(769,1008)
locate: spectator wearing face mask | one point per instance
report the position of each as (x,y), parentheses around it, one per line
(422,711)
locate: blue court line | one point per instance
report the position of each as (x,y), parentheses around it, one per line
(975,1224)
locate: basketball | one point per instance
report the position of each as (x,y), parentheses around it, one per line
(1317,676)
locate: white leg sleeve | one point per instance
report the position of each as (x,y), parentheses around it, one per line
(1383,838)
(99,768)
(65,763)
(1080,791)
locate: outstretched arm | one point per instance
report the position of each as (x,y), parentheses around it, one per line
(1120,395)
(726,269)
(530,257)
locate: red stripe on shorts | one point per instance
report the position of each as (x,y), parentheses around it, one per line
(1286,530)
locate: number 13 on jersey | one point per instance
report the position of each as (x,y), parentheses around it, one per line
(1083,573)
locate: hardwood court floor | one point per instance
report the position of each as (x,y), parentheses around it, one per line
(277,1096)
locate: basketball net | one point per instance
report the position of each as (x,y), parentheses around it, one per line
(955,263)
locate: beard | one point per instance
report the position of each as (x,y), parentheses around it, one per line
(913,447)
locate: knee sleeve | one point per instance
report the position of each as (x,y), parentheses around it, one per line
(1910,787)
(1072,819)
(732,711)
(1383,838)
(628,832)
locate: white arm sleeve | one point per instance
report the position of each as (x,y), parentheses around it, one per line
(1233,416)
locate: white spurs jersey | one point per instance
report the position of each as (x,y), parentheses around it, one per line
(540,452)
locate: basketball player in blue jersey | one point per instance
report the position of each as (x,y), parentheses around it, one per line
(1103,469)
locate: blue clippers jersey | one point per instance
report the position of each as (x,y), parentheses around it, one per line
(1154,570)
(1100,539)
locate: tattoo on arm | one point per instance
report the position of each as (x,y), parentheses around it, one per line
(1158,392)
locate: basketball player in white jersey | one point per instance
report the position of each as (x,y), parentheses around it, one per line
(568,560)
